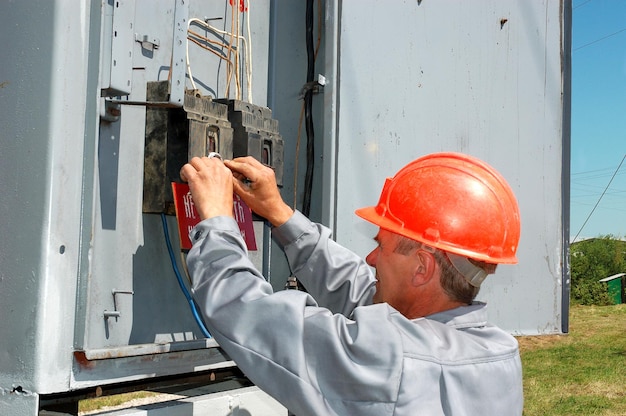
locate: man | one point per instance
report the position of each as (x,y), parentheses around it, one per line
(407,340)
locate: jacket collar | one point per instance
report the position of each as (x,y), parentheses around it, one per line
(469,316)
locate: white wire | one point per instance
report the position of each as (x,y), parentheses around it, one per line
(242,39)
(238,54)
(231,68)
(249,58)
(193,84)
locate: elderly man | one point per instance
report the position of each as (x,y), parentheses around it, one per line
(408,339)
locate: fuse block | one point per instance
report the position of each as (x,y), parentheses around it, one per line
(232,128)
(174,136)
(209,128)
(255,133)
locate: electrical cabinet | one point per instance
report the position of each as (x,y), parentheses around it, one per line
(110,99)
(101,104)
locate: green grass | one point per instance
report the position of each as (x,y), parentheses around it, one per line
(101,403)
(582,373)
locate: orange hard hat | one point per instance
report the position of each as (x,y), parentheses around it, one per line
(454,202)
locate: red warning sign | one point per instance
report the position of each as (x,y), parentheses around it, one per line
(187,217)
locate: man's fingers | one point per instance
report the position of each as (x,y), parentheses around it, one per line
(195,166)
(186,172)
(197,163)
(247,160)
(240,189)
(238,176)
(246,167)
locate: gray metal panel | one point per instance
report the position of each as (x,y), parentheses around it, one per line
(71,191)
(122,40)
(287,76)
(130,255)
(45,116)
(482,77)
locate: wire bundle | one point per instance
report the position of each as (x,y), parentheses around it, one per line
(228,51)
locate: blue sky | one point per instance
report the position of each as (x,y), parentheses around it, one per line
(598,119)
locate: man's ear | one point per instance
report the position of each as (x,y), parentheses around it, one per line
(425,268)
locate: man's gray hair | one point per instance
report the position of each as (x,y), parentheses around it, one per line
(456,285)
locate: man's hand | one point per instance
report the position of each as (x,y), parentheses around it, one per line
(211,185)
(255,183)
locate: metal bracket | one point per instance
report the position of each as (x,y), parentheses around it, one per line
(314,86)
(115,313)
(148,43)
(110,110)
(179,53)
(112,314)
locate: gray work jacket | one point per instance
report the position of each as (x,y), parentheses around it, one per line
(332,352)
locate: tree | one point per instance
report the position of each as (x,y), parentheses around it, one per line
(592,260)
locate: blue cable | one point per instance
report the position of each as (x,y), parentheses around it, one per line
(192,304)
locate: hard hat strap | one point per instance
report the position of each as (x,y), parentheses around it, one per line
(472,273)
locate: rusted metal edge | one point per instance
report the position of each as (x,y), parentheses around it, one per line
(144,349)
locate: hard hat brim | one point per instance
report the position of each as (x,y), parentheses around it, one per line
(371,215)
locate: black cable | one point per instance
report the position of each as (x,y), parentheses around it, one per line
(598,40)
(308,111)
(581,4)
(599,199)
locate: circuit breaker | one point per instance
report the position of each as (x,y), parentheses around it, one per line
(209,128)
(255,133)
(232,128)
(174,136)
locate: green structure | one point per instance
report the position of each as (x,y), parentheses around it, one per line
(615,286)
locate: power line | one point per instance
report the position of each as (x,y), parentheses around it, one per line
(592,171)
(590,180)
(599,199)
(598,40)
(584,177)
(581,4)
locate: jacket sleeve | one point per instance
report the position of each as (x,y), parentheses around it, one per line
(284,342)
(336,277)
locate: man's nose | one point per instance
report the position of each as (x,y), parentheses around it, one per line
(371,258)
